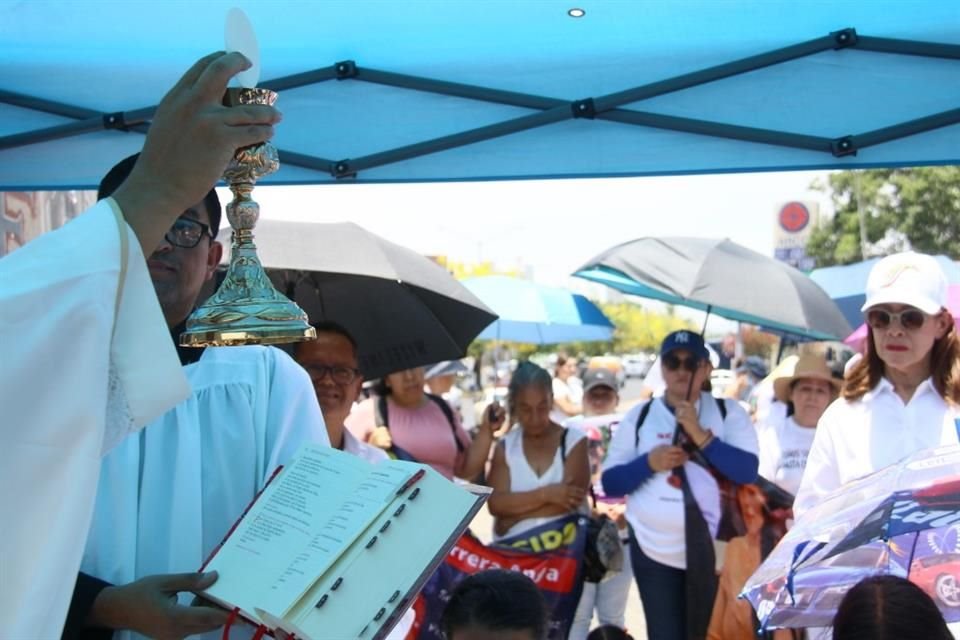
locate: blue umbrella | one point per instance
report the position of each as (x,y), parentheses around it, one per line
(847,284)
(538,314)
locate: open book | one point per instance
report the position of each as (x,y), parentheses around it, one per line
(336,547)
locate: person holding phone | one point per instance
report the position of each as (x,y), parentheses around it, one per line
(904,395)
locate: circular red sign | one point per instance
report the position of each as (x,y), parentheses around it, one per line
(794,217)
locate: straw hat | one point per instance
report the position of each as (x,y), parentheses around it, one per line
(807,366)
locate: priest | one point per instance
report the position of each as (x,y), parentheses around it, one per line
(169,494)
(87,356)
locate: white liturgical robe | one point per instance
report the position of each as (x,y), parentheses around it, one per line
(87,358)
(170,494)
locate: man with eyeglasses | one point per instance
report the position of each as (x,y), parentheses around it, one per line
(673,502)
(82,364)
(169,494)
(331,360)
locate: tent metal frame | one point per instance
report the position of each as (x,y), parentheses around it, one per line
(546,110)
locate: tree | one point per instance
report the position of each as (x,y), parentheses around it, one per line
(639,329)
(916,207)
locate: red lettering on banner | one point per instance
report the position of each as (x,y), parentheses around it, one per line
(551,572)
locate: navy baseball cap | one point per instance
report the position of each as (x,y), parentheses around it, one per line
(683,339)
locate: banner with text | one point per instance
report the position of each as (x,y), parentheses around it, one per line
(550,555)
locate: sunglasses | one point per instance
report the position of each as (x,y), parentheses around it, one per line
(672,363)
(910,319)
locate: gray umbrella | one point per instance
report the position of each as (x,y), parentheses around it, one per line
(403,309)
(722,277)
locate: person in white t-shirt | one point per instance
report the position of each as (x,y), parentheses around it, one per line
(806,390)
(639,465)
(567,392)
(903,396)
(599,421)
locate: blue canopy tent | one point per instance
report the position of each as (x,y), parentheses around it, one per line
(432,90)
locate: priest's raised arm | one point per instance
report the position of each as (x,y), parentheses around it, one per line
(86,352)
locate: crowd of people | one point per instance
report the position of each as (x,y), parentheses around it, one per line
(109,521)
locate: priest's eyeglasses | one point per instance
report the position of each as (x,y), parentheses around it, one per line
(339,374)
(186,233)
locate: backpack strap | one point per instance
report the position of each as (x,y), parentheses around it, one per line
(380,412)
(563,446)
(640,420)
(722,406)
(448,413)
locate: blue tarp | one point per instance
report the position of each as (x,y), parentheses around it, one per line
(104,56)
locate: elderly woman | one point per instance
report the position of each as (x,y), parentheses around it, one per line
(807,390)
(409,423)
(540,470)
(903,396)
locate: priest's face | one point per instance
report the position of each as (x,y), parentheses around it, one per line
(179,272)
(332,364)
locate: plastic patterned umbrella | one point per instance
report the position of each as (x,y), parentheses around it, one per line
(903,520)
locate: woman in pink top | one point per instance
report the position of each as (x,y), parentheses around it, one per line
(404,420)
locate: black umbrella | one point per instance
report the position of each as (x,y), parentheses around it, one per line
(403,309)
(721,277)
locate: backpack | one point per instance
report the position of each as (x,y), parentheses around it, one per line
(381,418)
(731,519)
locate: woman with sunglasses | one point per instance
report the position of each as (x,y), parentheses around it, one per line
(641,461)
(903,396)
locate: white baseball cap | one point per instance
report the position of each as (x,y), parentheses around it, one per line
(909,278)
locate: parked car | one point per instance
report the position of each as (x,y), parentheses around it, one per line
(637,365)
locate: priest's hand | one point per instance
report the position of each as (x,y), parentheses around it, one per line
(191,139)
(149,606)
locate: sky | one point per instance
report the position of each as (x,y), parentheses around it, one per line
(553,226)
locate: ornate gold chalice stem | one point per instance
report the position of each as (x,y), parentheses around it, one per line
(247,309)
